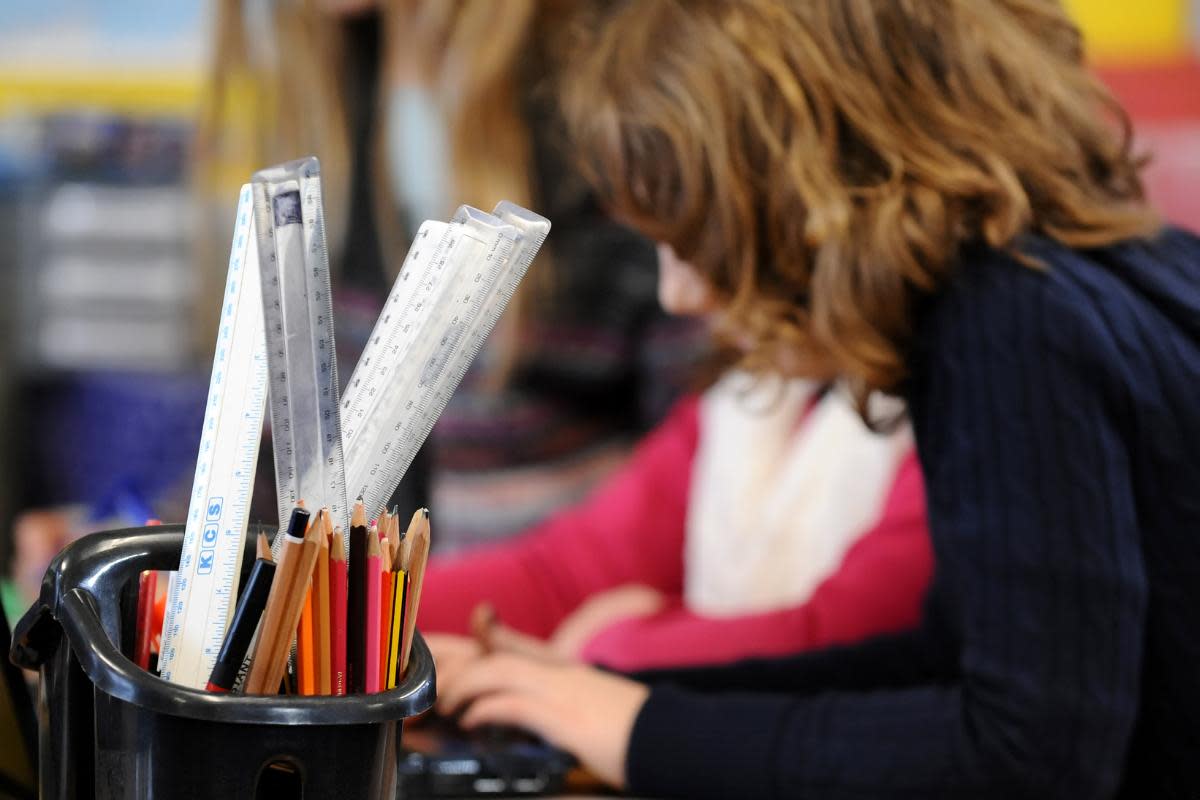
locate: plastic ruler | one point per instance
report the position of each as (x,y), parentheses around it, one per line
(298,314)
(200,595)
(455,283)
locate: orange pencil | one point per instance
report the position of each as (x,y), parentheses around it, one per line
(306,661)
(337,612)
(321,617)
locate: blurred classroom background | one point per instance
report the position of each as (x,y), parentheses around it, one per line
(104,377)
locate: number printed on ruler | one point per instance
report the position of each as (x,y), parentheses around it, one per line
(408,306)
(443,306)
(200,598)
(387,395)
(301,353)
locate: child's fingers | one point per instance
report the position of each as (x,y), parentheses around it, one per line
(502,638)
(580,709)
(507,708)
(451,655)
(499,672)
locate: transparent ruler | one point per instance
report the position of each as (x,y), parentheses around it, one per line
(456,281)
(297,308)
(200,598)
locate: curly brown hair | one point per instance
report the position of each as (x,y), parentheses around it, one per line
(823,161)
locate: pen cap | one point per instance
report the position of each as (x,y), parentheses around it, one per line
(298,522)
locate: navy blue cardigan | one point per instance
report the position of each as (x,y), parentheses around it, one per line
(1057,419)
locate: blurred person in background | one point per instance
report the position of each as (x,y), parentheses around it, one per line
(935,200)
(414,108)
(763,517)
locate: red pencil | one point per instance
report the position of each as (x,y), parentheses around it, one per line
(147,588)
(144,626)
(337,611)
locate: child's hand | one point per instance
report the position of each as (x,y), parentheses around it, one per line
(580,709)
(601,611)
(453,654)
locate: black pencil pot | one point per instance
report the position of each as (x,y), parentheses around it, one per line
(108,729)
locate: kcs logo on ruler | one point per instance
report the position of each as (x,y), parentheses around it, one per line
(275,345)
(201,595)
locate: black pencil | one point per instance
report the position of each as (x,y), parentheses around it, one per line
(245,620)
(356,607)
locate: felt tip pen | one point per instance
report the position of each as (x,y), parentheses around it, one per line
(245,620)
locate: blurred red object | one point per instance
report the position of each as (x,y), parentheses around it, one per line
(147,594)
(1164,101)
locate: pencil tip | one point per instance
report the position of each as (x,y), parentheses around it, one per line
(425,511)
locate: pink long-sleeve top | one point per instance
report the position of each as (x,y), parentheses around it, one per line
(631,530)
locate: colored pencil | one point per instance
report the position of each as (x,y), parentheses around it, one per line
(321,616)
(419,555)
(306,656)
(143,629)
(286,601)
(385,606)
(356,606)
(374,614)
(396,635)
(262,548)
(406,541)
(337,612)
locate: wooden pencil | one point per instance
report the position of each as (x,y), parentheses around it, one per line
(356,605)
(306,656)
(385,606)
(406,541)
(393,533)
(321,613)
(419,555)
(284,604)
(371,623)
(337,612)
(400,582)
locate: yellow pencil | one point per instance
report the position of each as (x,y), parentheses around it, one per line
(399,592)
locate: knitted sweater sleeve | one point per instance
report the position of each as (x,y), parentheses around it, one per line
(1018,418)
(877,588)
(630,530)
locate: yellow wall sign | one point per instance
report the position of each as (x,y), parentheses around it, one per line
(1123,31)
